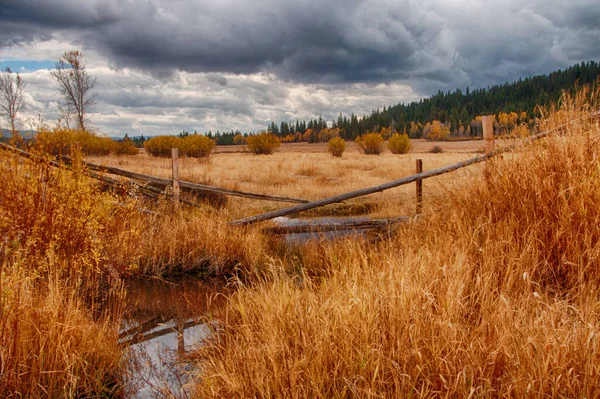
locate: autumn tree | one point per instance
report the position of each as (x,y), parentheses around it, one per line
(11,98)
(75,86)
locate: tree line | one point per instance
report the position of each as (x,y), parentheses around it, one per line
(453,112)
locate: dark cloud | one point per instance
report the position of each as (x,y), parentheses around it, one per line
(216,78)
(431,45)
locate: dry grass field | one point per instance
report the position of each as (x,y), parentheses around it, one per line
(493,292)
(418,146)
(307,171)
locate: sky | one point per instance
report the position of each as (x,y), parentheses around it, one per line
(164,66)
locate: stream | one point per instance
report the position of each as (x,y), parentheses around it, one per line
(164,321)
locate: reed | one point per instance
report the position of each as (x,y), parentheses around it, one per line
(493,294)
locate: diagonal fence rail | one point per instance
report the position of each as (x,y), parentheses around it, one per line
(202,188)
(400,182)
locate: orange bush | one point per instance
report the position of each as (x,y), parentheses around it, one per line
(197,146)
(60,140)
(399,143)
(370,143)
(264,143)
(336,146)
(160,146)
(126,147)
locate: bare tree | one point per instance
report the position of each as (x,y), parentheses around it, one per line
(11,97)
(75,86)
(65,115)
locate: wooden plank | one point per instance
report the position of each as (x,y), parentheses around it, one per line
(139,338)
(338,226)
(77,157)
(395,183)
(419,169)
(185,184)
(148,191)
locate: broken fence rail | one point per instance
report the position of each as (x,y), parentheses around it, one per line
(396,183)
(335,226)
(185,184)
(159,180)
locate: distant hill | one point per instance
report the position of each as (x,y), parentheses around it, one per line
(27,134)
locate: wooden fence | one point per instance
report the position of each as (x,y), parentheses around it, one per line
(146,184)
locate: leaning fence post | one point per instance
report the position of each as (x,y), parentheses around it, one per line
(419,186)
(488,133)
(175,172)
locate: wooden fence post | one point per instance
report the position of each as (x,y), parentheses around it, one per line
(175,172)
(488,133)
(419,186)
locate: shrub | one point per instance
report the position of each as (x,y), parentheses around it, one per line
(95,145)
(399,143)
(126,147)
(239,139)
(60,140)
(436,149)
(55,142)
(160,146)
(264,143)
(370,143)
(336,146)
(197,146)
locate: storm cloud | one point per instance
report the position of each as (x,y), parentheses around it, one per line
(312,45)
(312,41)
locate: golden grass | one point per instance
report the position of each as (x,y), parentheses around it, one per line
(65,247)
(302,175)
(492,294)
(50,346)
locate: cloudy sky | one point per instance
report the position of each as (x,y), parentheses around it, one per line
(167,65)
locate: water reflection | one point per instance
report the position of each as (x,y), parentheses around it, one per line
(165,319)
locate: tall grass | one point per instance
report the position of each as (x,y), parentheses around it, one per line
(65,247)
(62,252)
(50,346)
(493,295)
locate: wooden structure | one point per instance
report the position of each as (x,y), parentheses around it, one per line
(153,186)
(419,193)
(488,133)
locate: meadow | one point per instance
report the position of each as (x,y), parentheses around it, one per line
(307,171)
(492,292)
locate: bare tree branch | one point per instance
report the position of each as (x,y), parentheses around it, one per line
(11,98)
(75,86)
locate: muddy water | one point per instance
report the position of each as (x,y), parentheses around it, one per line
(165,320)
